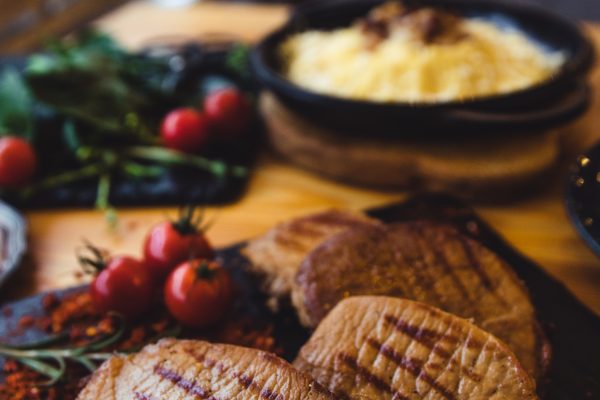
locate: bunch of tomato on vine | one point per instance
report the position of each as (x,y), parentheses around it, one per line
(178,263)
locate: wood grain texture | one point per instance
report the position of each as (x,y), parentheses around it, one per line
(464,167)
(26,24)
(537,226)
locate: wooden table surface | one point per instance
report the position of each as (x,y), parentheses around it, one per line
(537,226)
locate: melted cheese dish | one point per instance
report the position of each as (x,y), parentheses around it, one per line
(405,62)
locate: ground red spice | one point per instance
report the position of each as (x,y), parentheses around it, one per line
(26,322)
(49,302)
(76,316)
(7,312)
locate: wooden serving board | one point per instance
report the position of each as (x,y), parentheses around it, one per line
(572,329)
(480,167)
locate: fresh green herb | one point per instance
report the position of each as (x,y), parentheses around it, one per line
(237,60)
(16,106)
(168,156)
(52,362)
(92,80)
(112,102)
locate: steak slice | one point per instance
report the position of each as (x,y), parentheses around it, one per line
(186,369)
(427,262)
(388,348)
(277,255)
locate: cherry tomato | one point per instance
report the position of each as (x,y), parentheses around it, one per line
(124,286)
(17,161)
(168,244)
(198,293)
(229,112)
(185,129)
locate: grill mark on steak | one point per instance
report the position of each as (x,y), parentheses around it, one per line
(141,396)
(473,263)
(246,381)
(422,267)
(437,349)
(440,259)
(425,280)
(269,395)
(426,337)
(249,383)
(187,385)
(476,265)
(412,365)
(370,377)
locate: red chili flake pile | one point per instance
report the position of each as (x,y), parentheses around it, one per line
(7,312)
(75,315)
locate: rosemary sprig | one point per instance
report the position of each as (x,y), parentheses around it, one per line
(64,178)
(166,156)
(106,163)
(52,362)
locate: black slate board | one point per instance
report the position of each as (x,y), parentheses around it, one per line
(204,68)
(576,9)
(572,329)
(179,186)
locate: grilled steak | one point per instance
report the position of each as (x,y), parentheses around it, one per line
(427,262)
(278,254)
(180,370)
(387,348)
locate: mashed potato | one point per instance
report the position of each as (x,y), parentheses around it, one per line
(484,60)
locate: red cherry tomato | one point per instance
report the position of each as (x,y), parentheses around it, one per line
(198,293)
(124,286)
(185,129)
(168,244)
(229,112)
(17,161)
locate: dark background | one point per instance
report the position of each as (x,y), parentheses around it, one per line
(579,9)
(25,23)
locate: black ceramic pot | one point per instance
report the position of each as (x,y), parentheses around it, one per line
(545,105)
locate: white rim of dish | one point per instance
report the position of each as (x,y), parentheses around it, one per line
(16,242)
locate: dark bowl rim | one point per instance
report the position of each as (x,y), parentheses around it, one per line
(575,67)
(571,202)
